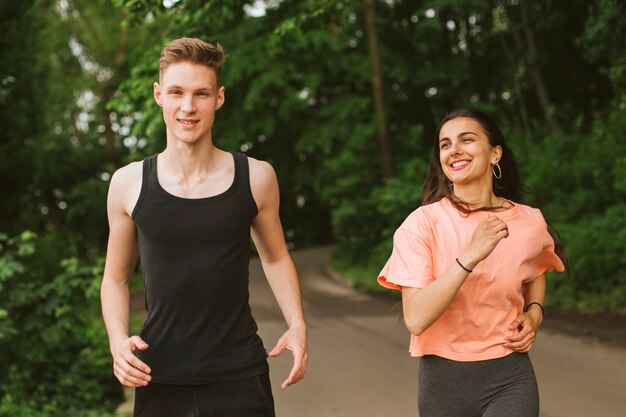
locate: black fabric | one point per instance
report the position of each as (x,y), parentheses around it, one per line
(250,397)
(490,388)
(194,256)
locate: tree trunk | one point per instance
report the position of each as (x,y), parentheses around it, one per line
(384,141)
(535,72)
(108,90)
(518,90)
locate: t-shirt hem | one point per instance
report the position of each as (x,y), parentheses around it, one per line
(382,281)
(399,284)
(248,373)
(462,357)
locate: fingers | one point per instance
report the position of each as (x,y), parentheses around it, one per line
(138,343)
(280,346)
(296,371)
(498,226)
(486,237)
(136,363)
(494,220)
(129,376)
(517,322)
(524,340)
(129,369)
(300,361)
(523,346)
(297,347)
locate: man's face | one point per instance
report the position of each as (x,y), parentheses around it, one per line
(189,95)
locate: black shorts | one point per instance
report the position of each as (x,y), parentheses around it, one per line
(250,397)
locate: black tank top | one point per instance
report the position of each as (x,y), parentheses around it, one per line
(194,256)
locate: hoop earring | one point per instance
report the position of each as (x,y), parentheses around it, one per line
(493,169)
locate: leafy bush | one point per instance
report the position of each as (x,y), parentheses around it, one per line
(53,345)
(361,256)
(596,248)
(10,408)
(578,181)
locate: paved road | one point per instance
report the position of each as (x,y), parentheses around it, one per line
(360,367)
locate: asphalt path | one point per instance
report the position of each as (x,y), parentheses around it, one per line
(360,367)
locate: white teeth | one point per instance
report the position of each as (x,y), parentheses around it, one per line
(459,164)
(187,122)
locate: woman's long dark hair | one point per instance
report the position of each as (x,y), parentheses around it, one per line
(509,185)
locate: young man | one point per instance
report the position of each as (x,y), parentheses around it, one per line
(188,213)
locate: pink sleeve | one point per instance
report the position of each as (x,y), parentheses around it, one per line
(546,260)
(410,264)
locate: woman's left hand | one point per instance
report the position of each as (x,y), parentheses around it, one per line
(527,325)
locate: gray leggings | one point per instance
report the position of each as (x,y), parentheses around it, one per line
(491,388)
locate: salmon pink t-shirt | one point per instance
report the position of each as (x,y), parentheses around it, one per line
(474,325)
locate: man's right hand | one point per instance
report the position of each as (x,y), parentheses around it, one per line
(128,369)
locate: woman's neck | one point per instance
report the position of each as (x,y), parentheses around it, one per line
(475,197)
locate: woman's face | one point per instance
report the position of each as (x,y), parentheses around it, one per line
(465,153)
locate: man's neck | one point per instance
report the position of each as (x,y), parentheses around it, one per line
(186,160)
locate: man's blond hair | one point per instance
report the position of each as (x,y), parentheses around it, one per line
(194,51)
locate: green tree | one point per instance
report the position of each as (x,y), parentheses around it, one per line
(299,93)
(55,161)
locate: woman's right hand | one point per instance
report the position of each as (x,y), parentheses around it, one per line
(487,235)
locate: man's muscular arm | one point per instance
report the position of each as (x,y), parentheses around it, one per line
(279,269)
(120,264)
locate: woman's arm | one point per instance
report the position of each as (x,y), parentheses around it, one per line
(528,322)
(422,307)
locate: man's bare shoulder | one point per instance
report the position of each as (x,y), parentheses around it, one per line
(263,183)
(125,186)
(262,174)
(128,173)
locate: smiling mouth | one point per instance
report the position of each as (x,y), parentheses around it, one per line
(457,165)
(187,122)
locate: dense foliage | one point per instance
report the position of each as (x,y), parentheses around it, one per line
(54,352)
(57,146)
(299,93)
(76,103)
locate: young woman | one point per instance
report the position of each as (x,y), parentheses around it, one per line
(471,264)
